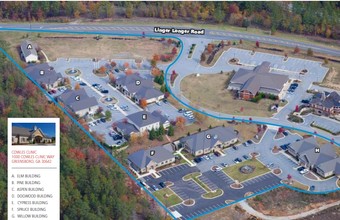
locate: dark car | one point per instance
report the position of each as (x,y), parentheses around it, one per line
(217,154)
(162,184)
(82,84)
(249,141)
(95,84)
(198,159)
(300,169)
(181,110)
(245,157)
(117,137)
(103,120)
(305,101)
(235,148)
(294,84)
(285,133)
(117,70)
(284,146)
(237,160)
(105,91)
(98,121)
(312,188)
(165,101)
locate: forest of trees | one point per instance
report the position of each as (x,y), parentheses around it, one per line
(312,18)
(92,186)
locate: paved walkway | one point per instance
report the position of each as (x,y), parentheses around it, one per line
(252,211)
(47,60)
(186,159)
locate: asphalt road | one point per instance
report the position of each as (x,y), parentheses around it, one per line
(138,29)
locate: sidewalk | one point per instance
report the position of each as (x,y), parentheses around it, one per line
(188,161)
(252,211)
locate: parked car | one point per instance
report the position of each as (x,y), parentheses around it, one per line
(191,117)
(300,168)
(270,165)
(312,188)
(95,84)
(105,91)
(284,146)
(117,137)
(285,133)
(305,101)
(82,84)
(162,184)
(181,110)
(245,157)
(206,157)
(165,101)
(245,144)
(159,103)
(103,120)
(117,70)
(237,160)
(217,154)
(235,147)
(198,159)
(224,164)
(119,142)
(154,187)
(304,171)
(249,142)
(98,121)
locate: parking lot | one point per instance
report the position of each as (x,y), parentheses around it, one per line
(123,107)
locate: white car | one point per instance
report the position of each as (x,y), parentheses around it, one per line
(218,168)
(159,103)
(304,171)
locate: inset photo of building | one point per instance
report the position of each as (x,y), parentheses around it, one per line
(33,133)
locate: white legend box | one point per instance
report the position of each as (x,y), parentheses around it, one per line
(33,168)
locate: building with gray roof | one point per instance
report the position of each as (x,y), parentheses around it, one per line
(28,51)
(144,121)
(143,161)
(321,159)
(78,102)
(249,83)
(326,103)
(206,141)
(21,135)
(45,75)
(137,88)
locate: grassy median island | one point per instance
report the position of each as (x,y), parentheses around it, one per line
(235,173)
(209,91)
(167,197)
(213,194)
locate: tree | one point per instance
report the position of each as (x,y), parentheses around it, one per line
(174,51)
(241,41)
(126,65)
(161,130)
(99,110)
(203,57)
(210,48)
(112,79)
(108,115)
(280,130)
(257,44)
(128,10)
(143,103)
(296,50)
(219,15)
(77,86)
(325,61)
(180,122)
(156,57)
(171,130)
(113,63)
(310,52)
(289,178)
(153,63)
(152,134)
(102,70)
(128,72)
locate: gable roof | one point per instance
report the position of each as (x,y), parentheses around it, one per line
(24,44)
(147,93)
(304,145)
(142,158)
(259,77)
(50,76)
(126,127)
(160,116)
(137,118)
(129,82)
(199,141)
(326,99)
(21,131)
(69,99)
(331,165)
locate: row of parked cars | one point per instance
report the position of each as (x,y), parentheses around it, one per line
(100,88)
(96,122)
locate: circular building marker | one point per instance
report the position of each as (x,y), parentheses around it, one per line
(77,97)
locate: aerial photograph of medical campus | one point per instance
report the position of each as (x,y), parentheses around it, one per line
(179,110)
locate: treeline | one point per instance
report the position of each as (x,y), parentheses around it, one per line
(313,18)
(91,185)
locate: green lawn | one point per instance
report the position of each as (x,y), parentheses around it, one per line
(191,176)
(233,171)
(210,195)
(172,198)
